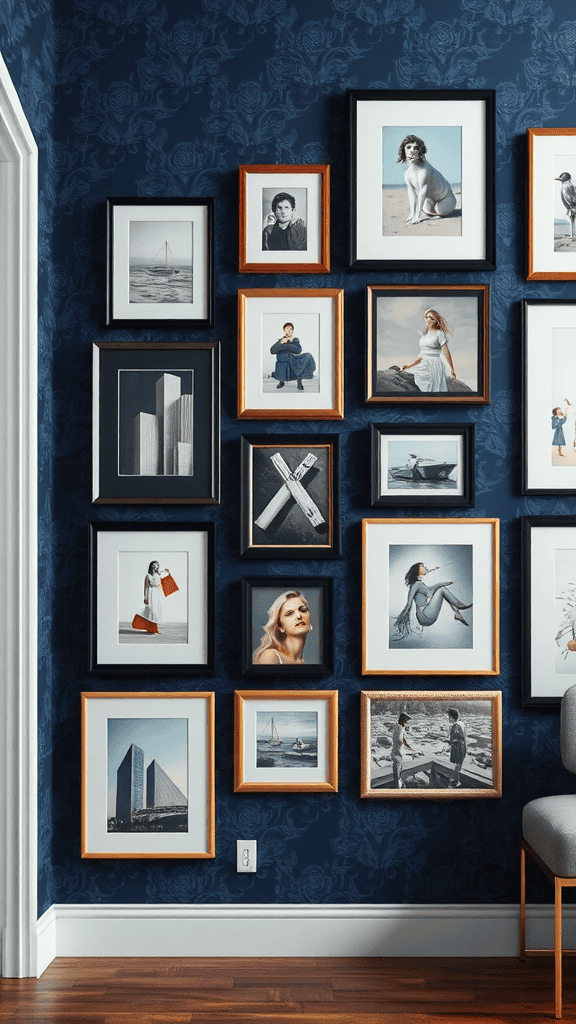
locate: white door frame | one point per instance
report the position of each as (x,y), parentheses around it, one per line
(19,535)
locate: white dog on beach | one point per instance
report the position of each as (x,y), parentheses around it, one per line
(429,194)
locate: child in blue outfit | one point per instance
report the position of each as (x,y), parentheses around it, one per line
(559,417)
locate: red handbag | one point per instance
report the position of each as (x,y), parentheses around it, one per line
(138,622)
(169,585)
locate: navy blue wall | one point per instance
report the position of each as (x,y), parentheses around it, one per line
(157,98)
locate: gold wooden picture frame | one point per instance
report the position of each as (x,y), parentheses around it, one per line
(148,775)
(286,741)
(290,354)
(430,597)
(551,211)
(284,219)
(430,745)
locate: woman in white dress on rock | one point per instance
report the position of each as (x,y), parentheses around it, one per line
(434,364)
(285,632)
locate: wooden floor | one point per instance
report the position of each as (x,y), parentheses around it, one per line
(281,990)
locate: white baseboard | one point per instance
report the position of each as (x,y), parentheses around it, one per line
(292,930)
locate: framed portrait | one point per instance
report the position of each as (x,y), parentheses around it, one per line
(419,464)
(286,626)
(290,496)
(151,597)
(428,344)
(286,741)
(160,262)
(430,597)
(431,745)
(549,406)
(147,775)
(548,608)
(422,180)
(290,354)
(156,423)
(284,219)
(551,204)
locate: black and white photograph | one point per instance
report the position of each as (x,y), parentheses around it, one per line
(290,353)
(160,262)
(431,744)
(422,180)
(152,597)
(284,218)
(156,423)
(286,625)
(428,344)
(147,785)
(290,496)
(418,464)
(430,596)
(286,741)
(147,775)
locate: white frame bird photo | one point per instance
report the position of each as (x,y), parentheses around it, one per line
(551,204)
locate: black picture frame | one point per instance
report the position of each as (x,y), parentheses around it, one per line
(411,490)
(370,250)
(189,272)
(193,544)
(290,532)
(547,594)
(121,393)
(254,589)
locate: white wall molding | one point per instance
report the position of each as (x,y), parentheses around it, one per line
(18,520)
(291,930)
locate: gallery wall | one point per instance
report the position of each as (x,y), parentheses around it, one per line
(152,98)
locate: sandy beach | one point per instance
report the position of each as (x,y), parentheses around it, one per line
(563,242)
(395,211)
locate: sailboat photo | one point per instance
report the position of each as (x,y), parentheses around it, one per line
(161,262)
(163,267)
(270,734)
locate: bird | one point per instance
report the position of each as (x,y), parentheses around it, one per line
(568,194)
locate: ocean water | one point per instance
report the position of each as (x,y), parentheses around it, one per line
(282,756)
(147,287)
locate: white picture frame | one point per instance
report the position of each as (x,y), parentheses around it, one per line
(551,248)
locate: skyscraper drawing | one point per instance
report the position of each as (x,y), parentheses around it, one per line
(163,442)
(130,783)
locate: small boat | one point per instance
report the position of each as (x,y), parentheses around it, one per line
(270,734)
(422,469)
(300,745)
(164,269)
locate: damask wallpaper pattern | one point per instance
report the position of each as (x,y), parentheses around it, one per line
(160,98)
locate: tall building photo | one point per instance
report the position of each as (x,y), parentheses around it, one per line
(163,441)
(161,791)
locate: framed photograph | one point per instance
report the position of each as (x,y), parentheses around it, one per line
(286,741)
(147,775)
(151,597)
(551,204)
(156,423)
(549,405)
(290,496)
(160,262)
(284,219)
(548,608)
(430,597)
(286,626)
(423,464)
(290,354)
(422,180)
(431,745)
(428,344)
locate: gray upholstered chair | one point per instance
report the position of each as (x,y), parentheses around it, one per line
(549,830)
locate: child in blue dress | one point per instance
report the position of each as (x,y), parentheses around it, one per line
(559,417)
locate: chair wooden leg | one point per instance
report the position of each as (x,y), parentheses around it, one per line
(557,948)
(522,951)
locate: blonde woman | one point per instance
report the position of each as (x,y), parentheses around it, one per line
(285,632)
(434,362)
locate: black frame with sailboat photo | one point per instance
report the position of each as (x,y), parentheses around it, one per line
(160,268)
(423,464)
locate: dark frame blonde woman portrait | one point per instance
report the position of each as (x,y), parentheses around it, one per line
(286,625)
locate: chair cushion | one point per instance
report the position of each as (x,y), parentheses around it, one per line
(568,728)
(549,826)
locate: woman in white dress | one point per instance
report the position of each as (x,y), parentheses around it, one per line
(285,632)
(434,363)
(154,595)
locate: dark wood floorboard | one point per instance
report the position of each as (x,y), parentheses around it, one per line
(315,990)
